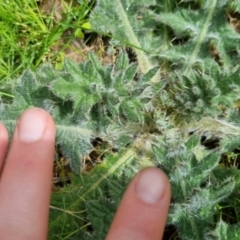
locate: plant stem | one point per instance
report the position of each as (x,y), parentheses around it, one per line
(200,38)
(144,64)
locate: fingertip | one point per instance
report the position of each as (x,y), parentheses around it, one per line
(142,213)
(35,124)
(152,185)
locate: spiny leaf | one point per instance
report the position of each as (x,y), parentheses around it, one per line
(124,14)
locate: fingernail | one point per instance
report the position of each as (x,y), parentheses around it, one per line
(150,186)
(32,125)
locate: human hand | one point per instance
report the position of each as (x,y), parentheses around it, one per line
(25,187)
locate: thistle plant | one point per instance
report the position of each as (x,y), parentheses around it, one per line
(175,107)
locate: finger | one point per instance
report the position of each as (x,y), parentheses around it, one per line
(25,185)
(142,213)
(3,144)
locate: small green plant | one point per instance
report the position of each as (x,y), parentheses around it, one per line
(176,107)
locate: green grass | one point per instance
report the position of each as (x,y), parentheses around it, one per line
(27,34)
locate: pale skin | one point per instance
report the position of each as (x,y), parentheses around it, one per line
(25,187)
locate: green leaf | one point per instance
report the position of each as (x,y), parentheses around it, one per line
(193,141)
(122,62)
(124,14)
(78,33)
(132,110)
(86,25)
